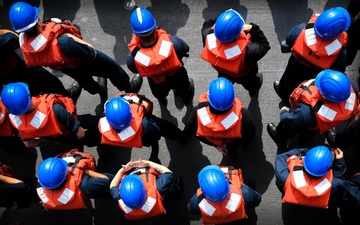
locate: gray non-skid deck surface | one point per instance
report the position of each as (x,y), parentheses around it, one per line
(105,24)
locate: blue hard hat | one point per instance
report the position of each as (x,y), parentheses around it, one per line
(228,25)
(118,113)
(16,98)
(142,21)
(332,22)
(334,86)
(132,191)
(221,94)
(23,16)
(318,161)
(52,172)
(213,183)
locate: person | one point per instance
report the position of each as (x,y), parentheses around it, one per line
(143,188)
(220,119)
(222,197)
(311,178)
(318,45)
(233,48)
(157,55)
(350,202)
(42,119)
(353,45)
(129,122)
(13,69)
(317,105)
(66,181)
(15,193)
(59,45)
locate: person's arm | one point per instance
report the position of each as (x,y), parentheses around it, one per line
(117,178)
(146,163)
(130,63)
(281,167)
(339,165)
(72,47)
(259,45)
(94,174)
(181,47)
(193,206)
(206,29)
(251,197)
(9,41)
(294,34)
(191,126)
(293,121)
(9,180)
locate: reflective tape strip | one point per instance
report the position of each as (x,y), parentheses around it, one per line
(38,42)
(327,112)
(333,47)
(142,58)
(41,194)
(206,207)
(139,170)
(299,178)
(1,115)
(148,205)
(310,36)
(124,207)
(233,202)
(16,120)
(66,196)
(350,102)
(204,116)
(38,119)
(229,120)
(104,124)
(211,41)
(232,52)
(323,186)
(165,48)
(126,133)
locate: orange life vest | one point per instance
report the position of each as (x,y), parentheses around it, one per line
(302,189)
(42,122)
(328,114)
(232,208)
(44,50)
(153,205)
(219,128)
(228,57)
(130,136)
(312,50)
(6,129)
(69,196)
(157,61)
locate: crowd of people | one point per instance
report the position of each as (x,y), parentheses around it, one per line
(317,98)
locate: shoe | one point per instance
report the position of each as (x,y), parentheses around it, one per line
(330,137)
(271,129)
(136,83)
(191,91)
(252,93)
(277,88)
(103,87)
(251,184)
(74,91)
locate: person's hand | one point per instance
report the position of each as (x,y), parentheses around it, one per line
(338,153)
(128,166)
(222,149)
(247,27)
(140,163)
(284,108)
